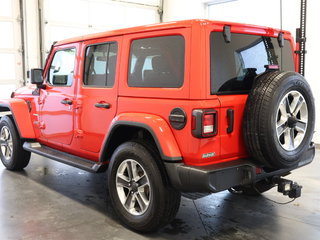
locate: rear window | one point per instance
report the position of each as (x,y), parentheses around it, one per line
(234,65)
(157,62)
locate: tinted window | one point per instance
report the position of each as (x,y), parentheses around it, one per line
(62,67)
(100,65)
(157,62)
(234,65)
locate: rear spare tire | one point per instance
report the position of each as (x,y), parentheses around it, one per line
(279,119)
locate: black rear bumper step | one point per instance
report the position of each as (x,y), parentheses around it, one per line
(222,176)
(213,178)
(306,158)
(63,157)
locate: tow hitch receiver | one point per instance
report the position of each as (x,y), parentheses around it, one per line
(288,187)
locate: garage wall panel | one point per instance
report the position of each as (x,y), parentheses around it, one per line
(7,41)
(147,2)
(64,19)
(11,65)
(7,73)
(6,8)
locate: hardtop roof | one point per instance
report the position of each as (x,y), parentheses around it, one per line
(169,25)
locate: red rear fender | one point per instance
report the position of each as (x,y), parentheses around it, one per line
(155,125)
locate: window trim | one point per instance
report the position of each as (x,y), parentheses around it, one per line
(84,65)
(74,67)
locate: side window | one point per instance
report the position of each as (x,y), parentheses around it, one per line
(62,67)
(157,62)
(100,65)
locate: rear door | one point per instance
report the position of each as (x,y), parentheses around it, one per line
(97,91)
(234,67)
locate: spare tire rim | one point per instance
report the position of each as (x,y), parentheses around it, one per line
(133,187)
(6,143)
(292,120)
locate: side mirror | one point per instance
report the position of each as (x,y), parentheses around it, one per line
(37,76)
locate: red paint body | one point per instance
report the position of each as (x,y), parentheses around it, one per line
(81,129)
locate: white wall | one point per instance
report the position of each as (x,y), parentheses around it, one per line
(312,58)
(183,9)
(11,54)
(266,13)
(31,24)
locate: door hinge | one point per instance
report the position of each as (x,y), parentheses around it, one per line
(40,101)
(77,104)
(42,125)
(78,133)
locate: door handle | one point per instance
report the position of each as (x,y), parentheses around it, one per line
(102,105)
(230,115)
(67,101)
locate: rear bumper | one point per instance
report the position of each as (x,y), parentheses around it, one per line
(219,177)
(213,178)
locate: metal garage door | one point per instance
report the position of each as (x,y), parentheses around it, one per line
(63,19)
(11,65)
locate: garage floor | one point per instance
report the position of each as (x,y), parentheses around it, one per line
(50,200)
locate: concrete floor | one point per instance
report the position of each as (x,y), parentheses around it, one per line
(50,200)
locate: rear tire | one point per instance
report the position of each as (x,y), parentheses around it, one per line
(139,192)
(12,155)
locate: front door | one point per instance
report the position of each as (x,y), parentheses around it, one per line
(57,99)
(98,91)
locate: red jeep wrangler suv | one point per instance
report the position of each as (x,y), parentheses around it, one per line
(189,106)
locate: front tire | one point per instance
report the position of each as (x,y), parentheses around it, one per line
(139,192)
(12,155)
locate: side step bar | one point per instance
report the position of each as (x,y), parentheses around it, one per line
(62,157)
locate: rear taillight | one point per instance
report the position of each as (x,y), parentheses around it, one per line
(204,123)
(208,124)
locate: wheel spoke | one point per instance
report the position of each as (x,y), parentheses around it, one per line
(122,181)
(129,203)
(292,138)
(2,142)
(283,109)
(287,139)
(143,181)
(3,149)
(7,152)
(287,104)
(134,171)
(297,104)
(10,144)
(301,126)
(3,135)
(281,129)
(142,204)
(129,169)
(7,134)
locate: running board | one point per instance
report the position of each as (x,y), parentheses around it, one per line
(63,157)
